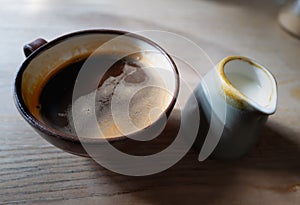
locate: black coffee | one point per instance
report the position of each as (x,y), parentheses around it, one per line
(124,102)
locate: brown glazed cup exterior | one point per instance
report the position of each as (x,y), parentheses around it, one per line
(64,141)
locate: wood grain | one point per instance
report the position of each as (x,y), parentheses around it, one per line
(34,172)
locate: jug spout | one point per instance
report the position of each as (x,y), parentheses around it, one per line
(248,85)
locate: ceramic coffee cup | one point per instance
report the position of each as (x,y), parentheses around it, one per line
(47,59)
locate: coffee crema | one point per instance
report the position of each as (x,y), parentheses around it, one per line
(127,97)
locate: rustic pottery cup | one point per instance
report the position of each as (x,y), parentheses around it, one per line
(45,59)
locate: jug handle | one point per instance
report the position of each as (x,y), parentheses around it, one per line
(31,47)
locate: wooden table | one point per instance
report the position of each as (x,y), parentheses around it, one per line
(33,171)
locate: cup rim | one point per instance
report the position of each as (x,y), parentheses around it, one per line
(241,100)
(50,131)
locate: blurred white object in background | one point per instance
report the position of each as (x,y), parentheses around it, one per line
(289,18)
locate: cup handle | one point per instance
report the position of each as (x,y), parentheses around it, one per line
(31,47)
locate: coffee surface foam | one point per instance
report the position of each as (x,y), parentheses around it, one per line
(123,104)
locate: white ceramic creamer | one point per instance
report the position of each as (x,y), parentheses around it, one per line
(234,100)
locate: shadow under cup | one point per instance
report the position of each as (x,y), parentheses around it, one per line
(44,87)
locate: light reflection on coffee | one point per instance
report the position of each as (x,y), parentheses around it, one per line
(129,97)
